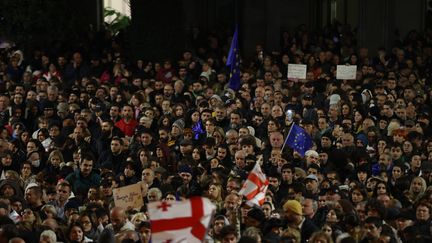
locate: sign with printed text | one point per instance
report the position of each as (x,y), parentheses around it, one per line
(346,72)
(297,71)
(128,196)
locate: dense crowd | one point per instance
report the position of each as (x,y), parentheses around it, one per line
(79,122)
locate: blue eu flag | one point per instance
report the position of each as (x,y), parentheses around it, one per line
(233,62)
(299,140)
(197,130)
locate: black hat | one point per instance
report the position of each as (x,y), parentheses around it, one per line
(405,215)
(186,142)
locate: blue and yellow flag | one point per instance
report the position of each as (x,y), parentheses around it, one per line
(233,62)
(299,140)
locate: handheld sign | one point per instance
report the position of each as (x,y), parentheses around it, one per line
(297,71)
(128,196)
(346,72)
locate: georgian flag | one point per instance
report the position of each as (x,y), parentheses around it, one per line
(255,186)
(180,221)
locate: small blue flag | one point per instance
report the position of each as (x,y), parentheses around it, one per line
(198,130)
(299,140)
(233,62)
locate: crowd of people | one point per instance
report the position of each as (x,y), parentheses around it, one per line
(75,124)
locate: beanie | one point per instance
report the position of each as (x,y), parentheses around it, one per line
(293,206)
(185,169)
(180,124)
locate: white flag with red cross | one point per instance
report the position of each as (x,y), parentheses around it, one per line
(255,186)
(180,221)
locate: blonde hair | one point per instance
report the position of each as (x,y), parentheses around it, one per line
(56,153)
(138,218)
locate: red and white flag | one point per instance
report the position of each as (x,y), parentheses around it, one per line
(255,186)
(180,221)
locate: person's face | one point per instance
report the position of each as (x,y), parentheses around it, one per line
(146,139)
(287,175)
(416,185)
(332,217)
(86,223)
(231,238)
(17,206)
(372,232)
(240,160)
(415,162)
(214,191)
(231,203)
(127,112)
(187,177)
(117,220)
(276,140)
(86,167)
(218,225)
(356,196)
(396,172)
(381,188)
(54,131)
(327,230)
(116,146)
(6,161)
(276,111)
(248,149)
(311,185)
(31,147)
(147,176)
(396,153)
(55,160)
(267,210)
(28,215)
(8,191)
(76,234)
(307,207)
(26,170)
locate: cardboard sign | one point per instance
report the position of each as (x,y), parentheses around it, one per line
(297,71)
(129,196)
(346,72)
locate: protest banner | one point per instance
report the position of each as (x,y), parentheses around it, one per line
(346,72)
(297,71)
(128,196)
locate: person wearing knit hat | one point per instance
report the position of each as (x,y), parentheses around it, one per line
(294,216)
(293,207)
(177,128)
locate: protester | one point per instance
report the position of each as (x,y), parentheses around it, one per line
(344,159)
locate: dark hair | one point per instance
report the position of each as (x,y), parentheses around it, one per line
(375,221)
(227,230)
(87,156)
(75,224)
(374,204)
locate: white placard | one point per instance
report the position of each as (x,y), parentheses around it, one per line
(346,72)
(297,71)
(129,196)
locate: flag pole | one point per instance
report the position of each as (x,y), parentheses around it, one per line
(283,146)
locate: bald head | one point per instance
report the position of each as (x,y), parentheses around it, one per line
(118,218)
(16,240)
